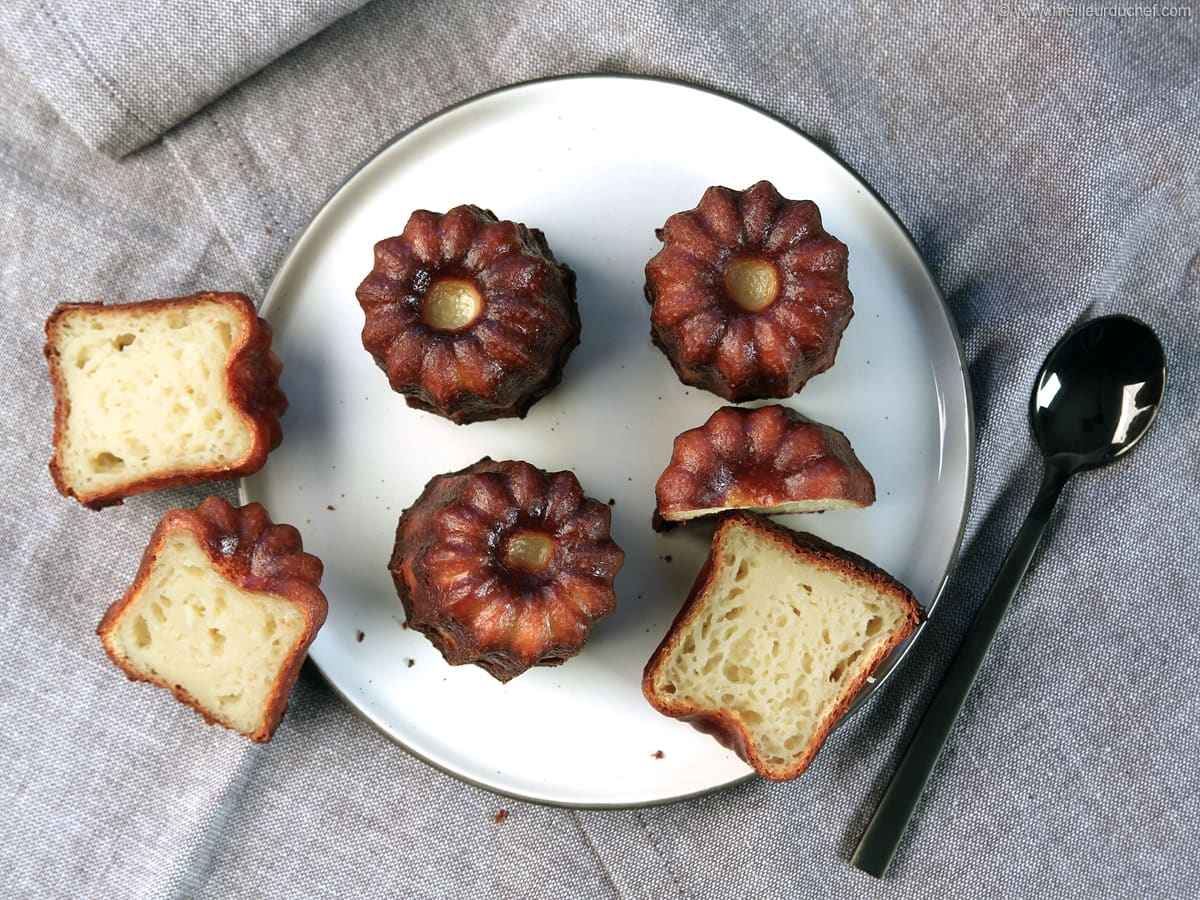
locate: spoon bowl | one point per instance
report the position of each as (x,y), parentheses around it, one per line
(1098,392)
(1094,399)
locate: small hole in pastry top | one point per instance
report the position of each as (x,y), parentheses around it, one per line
(529,551)
(752,283)
(452,304)
(121,341)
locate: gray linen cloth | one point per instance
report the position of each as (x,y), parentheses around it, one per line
(1049,168)
(121,72)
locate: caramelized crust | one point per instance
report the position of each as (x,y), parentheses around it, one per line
(750,295)
(505,565)
(245,549)
(770,460)
(253,552)
(471,318)
(252,381)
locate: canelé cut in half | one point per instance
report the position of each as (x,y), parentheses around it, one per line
(750,293)
(769,460)
(779,633)
(159,394)
(222,612)
(505,565)
(471,318)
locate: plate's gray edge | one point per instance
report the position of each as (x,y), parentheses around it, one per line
(897,655)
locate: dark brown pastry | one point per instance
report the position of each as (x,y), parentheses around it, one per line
(505,565)
(750,293)
(471,318)
(222,611)
(769,460)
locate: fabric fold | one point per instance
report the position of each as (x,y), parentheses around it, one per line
(123,72)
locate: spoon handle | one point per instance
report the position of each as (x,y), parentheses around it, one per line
(882,836)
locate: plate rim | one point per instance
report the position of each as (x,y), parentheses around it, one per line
(899,654)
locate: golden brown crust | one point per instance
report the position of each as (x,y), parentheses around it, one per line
(253,554)
(512,355)
(252,377)
(457,588)
(761,458)
(726,727)
(718,345)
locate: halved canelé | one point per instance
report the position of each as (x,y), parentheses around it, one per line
(769,460)
(160,393)
(779,633)
(222,612)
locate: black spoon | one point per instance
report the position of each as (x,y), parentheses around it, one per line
(1095,397)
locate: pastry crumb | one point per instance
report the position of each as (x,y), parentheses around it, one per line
(658,754)
(358,636)
(409,662)
(500,816)
(329,507)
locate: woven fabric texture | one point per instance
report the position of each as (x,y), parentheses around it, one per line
(1048,166)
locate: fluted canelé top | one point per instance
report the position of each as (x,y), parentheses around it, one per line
(505,565)
(750,293)
(470,317)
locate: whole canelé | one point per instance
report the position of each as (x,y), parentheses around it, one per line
(470,317)
(750,293)
(505,565)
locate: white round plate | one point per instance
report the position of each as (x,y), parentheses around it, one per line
(597,163)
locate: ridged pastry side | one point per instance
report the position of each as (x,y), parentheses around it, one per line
(770,460)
